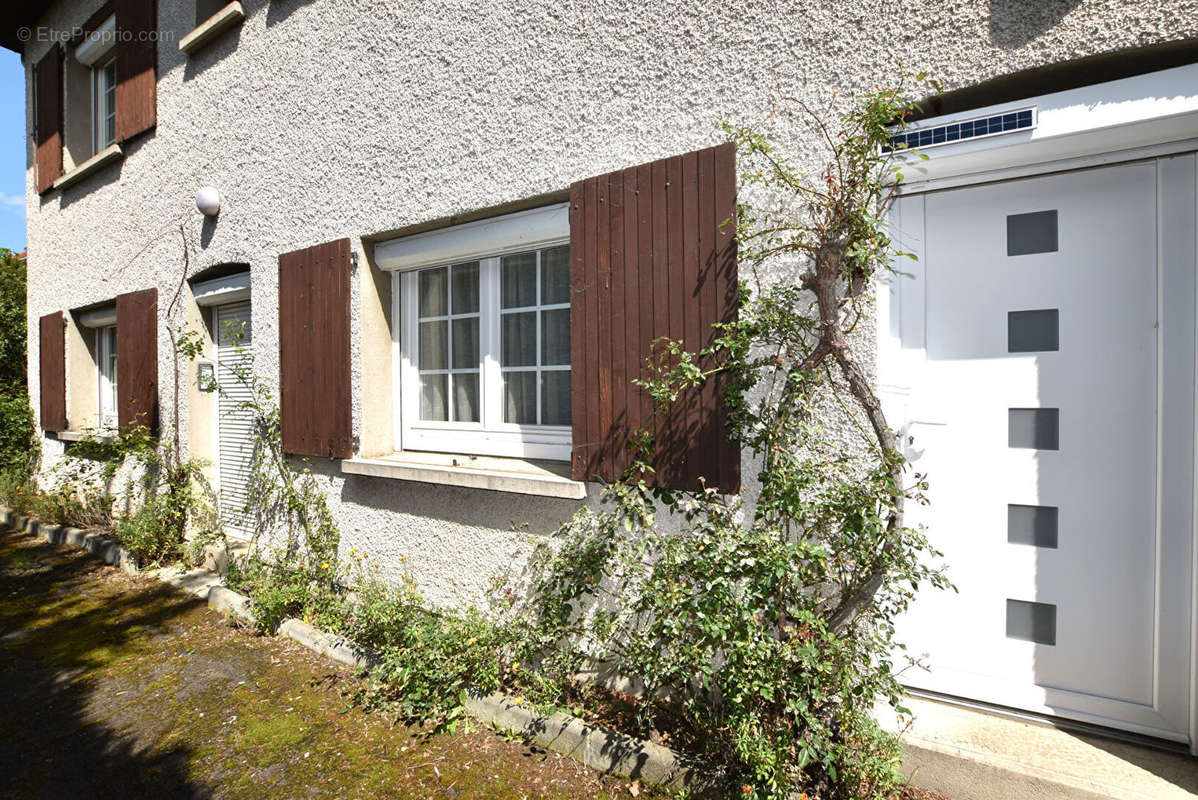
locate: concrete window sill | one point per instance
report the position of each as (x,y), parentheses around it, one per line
(106,156)
(214,26)
(497,474)
(79,436)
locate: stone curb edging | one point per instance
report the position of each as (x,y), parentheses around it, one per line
(105,548)
(597,747)
(334,648)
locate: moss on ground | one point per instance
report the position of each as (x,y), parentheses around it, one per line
(115,685)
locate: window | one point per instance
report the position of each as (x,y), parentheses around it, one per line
(106,356)
(485,355)
(104,104)
(91,95)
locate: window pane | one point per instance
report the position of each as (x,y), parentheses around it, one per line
(465,343)
(433,347)
(555,397)
(520,398)
(432,292)
(465,397)
(519,334)
(464,278)
(555,275)
(519,280)
(109,103)
(433,398)
(555,336)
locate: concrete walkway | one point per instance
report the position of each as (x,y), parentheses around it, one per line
(114,685)
(973,755)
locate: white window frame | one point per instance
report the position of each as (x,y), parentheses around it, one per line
(103,104)
(96,52)
(491,436)
(106,369)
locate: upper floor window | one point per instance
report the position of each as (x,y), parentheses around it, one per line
(91,94)
(94,94)
(104,104)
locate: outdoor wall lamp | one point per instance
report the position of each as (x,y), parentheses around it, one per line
(208,201)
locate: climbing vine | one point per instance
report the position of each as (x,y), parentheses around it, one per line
(295,564)
(766,622)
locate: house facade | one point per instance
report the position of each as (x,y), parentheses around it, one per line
(450,232)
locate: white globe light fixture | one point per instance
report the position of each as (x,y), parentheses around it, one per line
(208,201)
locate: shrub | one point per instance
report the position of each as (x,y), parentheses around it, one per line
(77,506)
(17,490)
(18,453)
(18,443)
(152,533)
(429,659)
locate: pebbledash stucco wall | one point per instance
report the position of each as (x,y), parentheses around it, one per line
(328,119)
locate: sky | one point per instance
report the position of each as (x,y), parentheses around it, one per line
(12,152)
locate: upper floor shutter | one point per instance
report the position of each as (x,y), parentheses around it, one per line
(47,121)
(314,350)
(136,67)
(137,359)
(653,253)
(52,354)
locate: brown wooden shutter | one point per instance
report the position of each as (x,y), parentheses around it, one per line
(47,123)
(136,67)
(314,376)
(137,359)
(52,366)
(653,253)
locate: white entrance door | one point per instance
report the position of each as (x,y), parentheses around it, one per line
(235,425)
(1052,410)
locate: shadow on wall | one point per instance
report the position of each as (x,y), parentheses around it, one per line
(1014,23)
(106,176)
(476,508)
(279,10)
(211,53)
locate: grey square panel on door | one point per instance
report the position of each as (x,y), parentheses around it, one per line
(1034,428)
(1032,622)
(1033,331)
(1033,525)
(1032,233)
